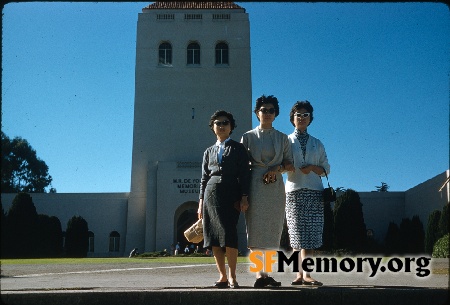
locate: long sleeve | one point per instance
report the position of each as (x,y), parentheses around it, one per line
(205,173)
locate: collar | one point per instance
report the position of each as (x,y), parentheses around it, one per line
(218,143)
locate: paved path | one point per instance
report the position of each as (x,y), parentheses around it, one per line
(141,281)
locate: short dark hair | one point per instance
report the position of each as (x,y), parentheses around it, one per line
(301,105)
(219,113)
(266,100)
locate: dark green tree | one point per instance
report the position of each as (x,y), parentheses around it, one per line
(349,227)
(433,232)
(418,247)
(392,239)
(22,170)
(412,236)
(383,188)
(443,221)
(50,236)
(328,227)
(22,227)
(77,237)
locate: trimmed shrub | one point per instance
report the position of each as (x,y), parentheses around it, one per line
(49,243)
(412,236)
(77,237)
(328,224)
(349,227)
(441,247)
(392,239)
(22,227)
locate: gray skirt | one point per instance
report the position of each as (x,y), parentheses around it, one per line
(304,215)
(265,216)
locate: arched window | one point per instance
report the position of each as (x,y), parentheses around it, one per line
(91,241)
(114,241)
(165,53)
(193,54)
(222,54)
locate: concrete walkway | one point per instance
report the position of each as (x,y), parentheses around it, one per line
(157,283)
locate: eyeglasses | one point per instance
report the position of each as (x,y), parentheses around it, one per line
(223,123)
(267,110)
(302,115)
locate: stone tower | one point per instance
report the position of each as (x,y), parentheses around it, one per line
(192,58)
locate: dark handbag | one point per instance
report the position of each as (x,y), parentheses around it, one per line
(194,234)
(329,195)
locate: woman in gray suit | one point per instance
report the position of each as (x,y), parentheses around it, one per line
(223,195)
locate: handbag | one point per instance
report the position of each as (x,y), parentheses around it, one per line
(329,194)
(194,234)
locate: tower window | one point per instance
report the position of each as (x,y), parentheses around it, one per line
(165,54)
(193,54)
(221,16)
(222,54)
(193,16)
(165,16)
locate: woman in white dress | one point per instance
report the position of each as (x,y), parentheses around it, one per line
(269,152)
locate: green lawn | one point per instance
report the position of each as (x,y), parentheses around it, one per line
(117,260)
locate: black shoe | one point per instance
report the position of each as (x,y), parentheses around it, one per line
(260,283)
(296,283)
(312,283)
(270,281)
(221,284)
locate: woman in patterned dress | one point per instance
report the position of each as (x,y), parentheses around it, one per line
(223,195)
(304,200)
(269,151)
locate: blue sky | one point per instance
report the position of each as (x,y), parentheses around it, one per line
(377,75)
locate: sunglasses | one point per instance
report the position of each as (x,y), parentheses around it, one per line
(267,110)
(302,115)
(223,123)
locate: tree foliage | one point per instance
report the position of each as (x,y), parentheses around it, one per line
(77,237)
(349,227)
(441,247)
(328,225)
(433,233)
(412,236)
(392,239)
(383,187)
(22,227)
(22,170)
(443,221)
(27,234)
(50,239)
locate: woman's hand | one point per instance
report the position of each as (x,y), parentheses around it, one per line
(200,209)
(314,168)
(244,204)
(271,175)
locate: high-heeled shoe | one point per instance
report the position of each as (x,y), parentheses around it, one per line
(221,284)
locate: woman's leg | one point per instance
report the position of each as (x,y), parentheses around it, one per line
(219,256)
(300,268)
(232,254)
(304,254)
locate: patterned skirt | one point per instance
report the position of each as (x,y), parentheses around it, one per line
(304,215)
